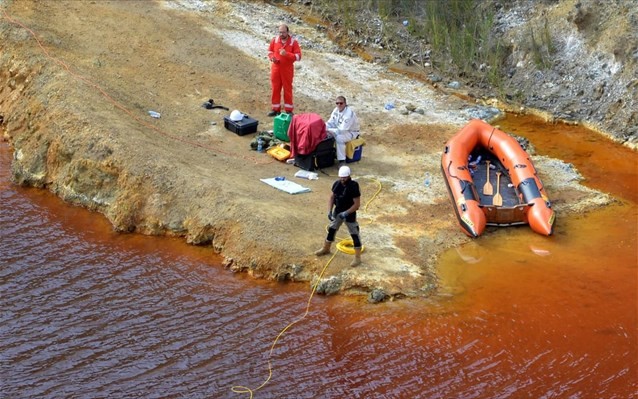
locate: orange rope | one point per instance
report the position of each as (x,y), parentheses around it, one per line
(119,105)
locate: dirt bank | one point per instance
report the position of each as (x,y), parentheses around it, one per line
(77,80)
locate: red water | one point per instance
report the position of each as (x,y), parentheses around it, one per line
(90,313)
(606,166)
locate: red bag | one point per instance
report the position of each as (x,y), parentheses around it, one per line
(306,131)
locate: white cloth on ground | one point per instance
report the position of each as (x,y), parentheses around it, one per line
(286,185)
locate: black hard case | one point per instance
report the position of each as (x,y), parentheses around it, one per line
(322,157)
(245,126)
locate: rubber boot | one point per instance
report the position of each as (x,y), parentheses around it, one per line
(357,257)
(325,250)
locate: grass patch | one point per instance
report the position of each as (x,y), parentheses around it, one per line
(458,33)
(541,46)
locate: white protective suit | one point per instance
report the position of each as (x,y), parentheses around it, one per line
(343,126)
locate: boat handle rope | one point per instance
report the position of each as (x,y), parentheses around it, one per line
(490,139)
(449,172)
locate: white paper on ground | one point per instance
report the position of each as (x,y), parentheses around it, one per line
(286,185)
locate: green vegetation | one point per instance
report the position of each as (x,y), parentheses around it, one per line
(542,47)
(458,32)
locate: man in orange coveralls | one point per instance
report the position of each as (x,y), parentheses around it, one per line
(283,51)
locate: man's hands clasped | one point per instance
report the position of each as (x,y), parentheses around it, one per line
(342,215)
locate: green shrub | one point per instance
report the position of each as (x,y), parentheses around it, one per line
(459,32)
(542,46)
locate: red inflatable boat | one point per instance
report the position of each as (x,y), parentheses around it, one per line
(492,181)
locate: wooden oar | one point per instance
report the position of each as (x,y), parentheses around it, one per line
(487,188)
(497,200)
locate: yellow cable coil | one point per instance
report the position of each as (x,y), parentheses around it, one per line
(345,246)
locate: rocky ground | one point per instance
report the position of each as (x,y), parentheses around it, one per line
(77,80)
(589,75)
(569,60)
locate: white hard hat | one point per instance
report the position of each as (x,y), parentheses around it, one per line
(344,171)
(236,116)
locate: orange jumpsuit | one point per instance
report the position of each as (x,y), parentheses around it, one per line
(283,71)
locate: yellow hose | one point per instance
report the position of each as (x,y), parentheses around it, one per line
(347,246)
(344,245)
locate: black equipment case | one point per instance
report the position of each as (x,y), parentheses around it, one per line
(245,126)
(322,157)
